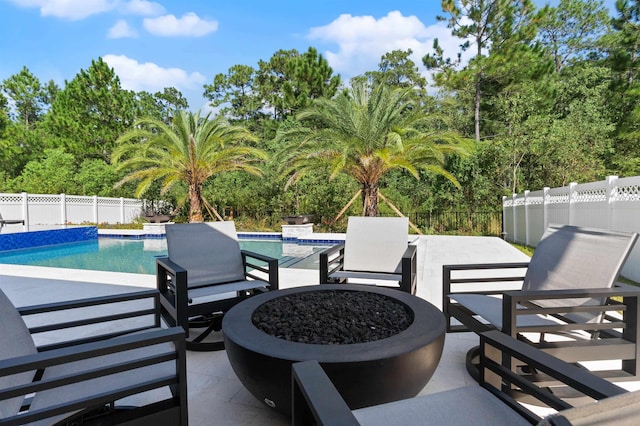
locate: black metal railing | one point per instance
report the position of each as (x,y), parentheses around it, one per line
(440,223)
(458,222)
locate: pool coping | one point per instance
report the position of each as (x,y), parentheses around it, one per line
(314,238)
(52,237)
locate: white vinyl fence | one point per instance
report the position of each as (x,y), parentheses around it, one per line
(613,203)
(47,209)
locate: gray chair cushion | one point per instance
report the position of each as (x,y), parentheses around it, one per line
(490,308)
(226,289)
(621,410)
(467,405)
(569,257)
(15,341)
(210,252)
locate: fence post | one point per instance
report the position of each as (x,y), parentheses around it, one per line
(25,208)
(63,209)
(504,214)
(612,195)
(545,208)
(95,209)
(526,217)
(121,209)
(572,213)
(515,217)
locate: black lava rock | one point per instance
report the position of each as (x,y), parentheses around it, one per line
(332,317)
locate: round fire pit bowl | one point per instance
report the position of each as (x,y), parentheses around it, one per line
(370,373)
(300,219)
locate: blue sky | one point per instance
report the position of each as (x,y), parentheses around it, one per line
(156,44)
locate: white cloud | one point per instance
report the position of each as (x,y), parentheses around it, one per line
(121,29)
(142,7)
(69,9)
(362,40)
(190,25)
(151,77)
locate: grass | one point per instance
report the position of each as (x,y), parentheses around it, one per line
(628,281)
(525,249)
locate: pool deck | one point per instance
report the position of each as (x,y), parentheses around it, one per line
(216,396)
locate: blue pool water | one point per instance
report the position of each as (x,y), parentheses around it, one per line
(138,256)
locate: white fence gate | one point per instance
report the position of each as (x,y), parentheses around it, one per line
(47,209)
(613,204)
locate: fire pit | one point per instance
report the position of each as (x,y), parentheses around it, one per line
(368,362)
(158,218)
(300,219)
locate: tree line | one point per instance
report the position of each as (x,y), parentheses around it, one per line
(549,95)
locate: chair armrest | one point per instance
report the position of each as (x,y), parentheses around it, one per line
(409,270)
(167,268)
(171,282)
(329,266)
(271,268)
(83,313)
(493,277)
(448,280)
(530,302)
(512,352)
(82,303)
(159,338)
(315,400)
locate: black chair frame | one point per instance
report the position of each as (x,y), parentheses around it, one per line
(616,336)
(316,400)
(332,260)
(100,408)
(176,307)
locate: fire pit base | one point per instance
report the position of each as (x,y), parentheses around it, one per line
(365,374)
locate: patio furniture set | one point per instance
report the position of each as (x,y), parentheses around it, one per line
(569,309)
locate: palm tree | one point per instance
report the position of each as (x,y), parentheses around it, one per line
(365,133)
(190,150)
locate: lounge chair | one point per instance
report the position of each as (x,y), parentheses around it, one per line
(316,400)
(103,360)
(205,274)
(375,248)
(569,291)
(10,221)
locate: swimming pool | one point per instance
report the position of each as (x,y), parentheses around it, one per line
(138,256)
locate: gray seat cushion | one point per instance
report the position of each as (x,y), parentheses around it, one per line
(220,289)
(49,398)
(462,406)
(621,410)
(490,308)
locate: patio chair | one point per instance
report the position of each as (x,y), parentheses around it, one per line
(205,274)
(569,293)
(316,400)
(10,221)
(375,248)
(102,360)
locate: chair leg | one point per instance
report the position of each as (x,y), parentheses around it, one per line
(210,323)
(472,363)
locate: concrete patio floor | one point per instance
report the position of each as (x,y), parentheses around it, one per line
(216,396)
